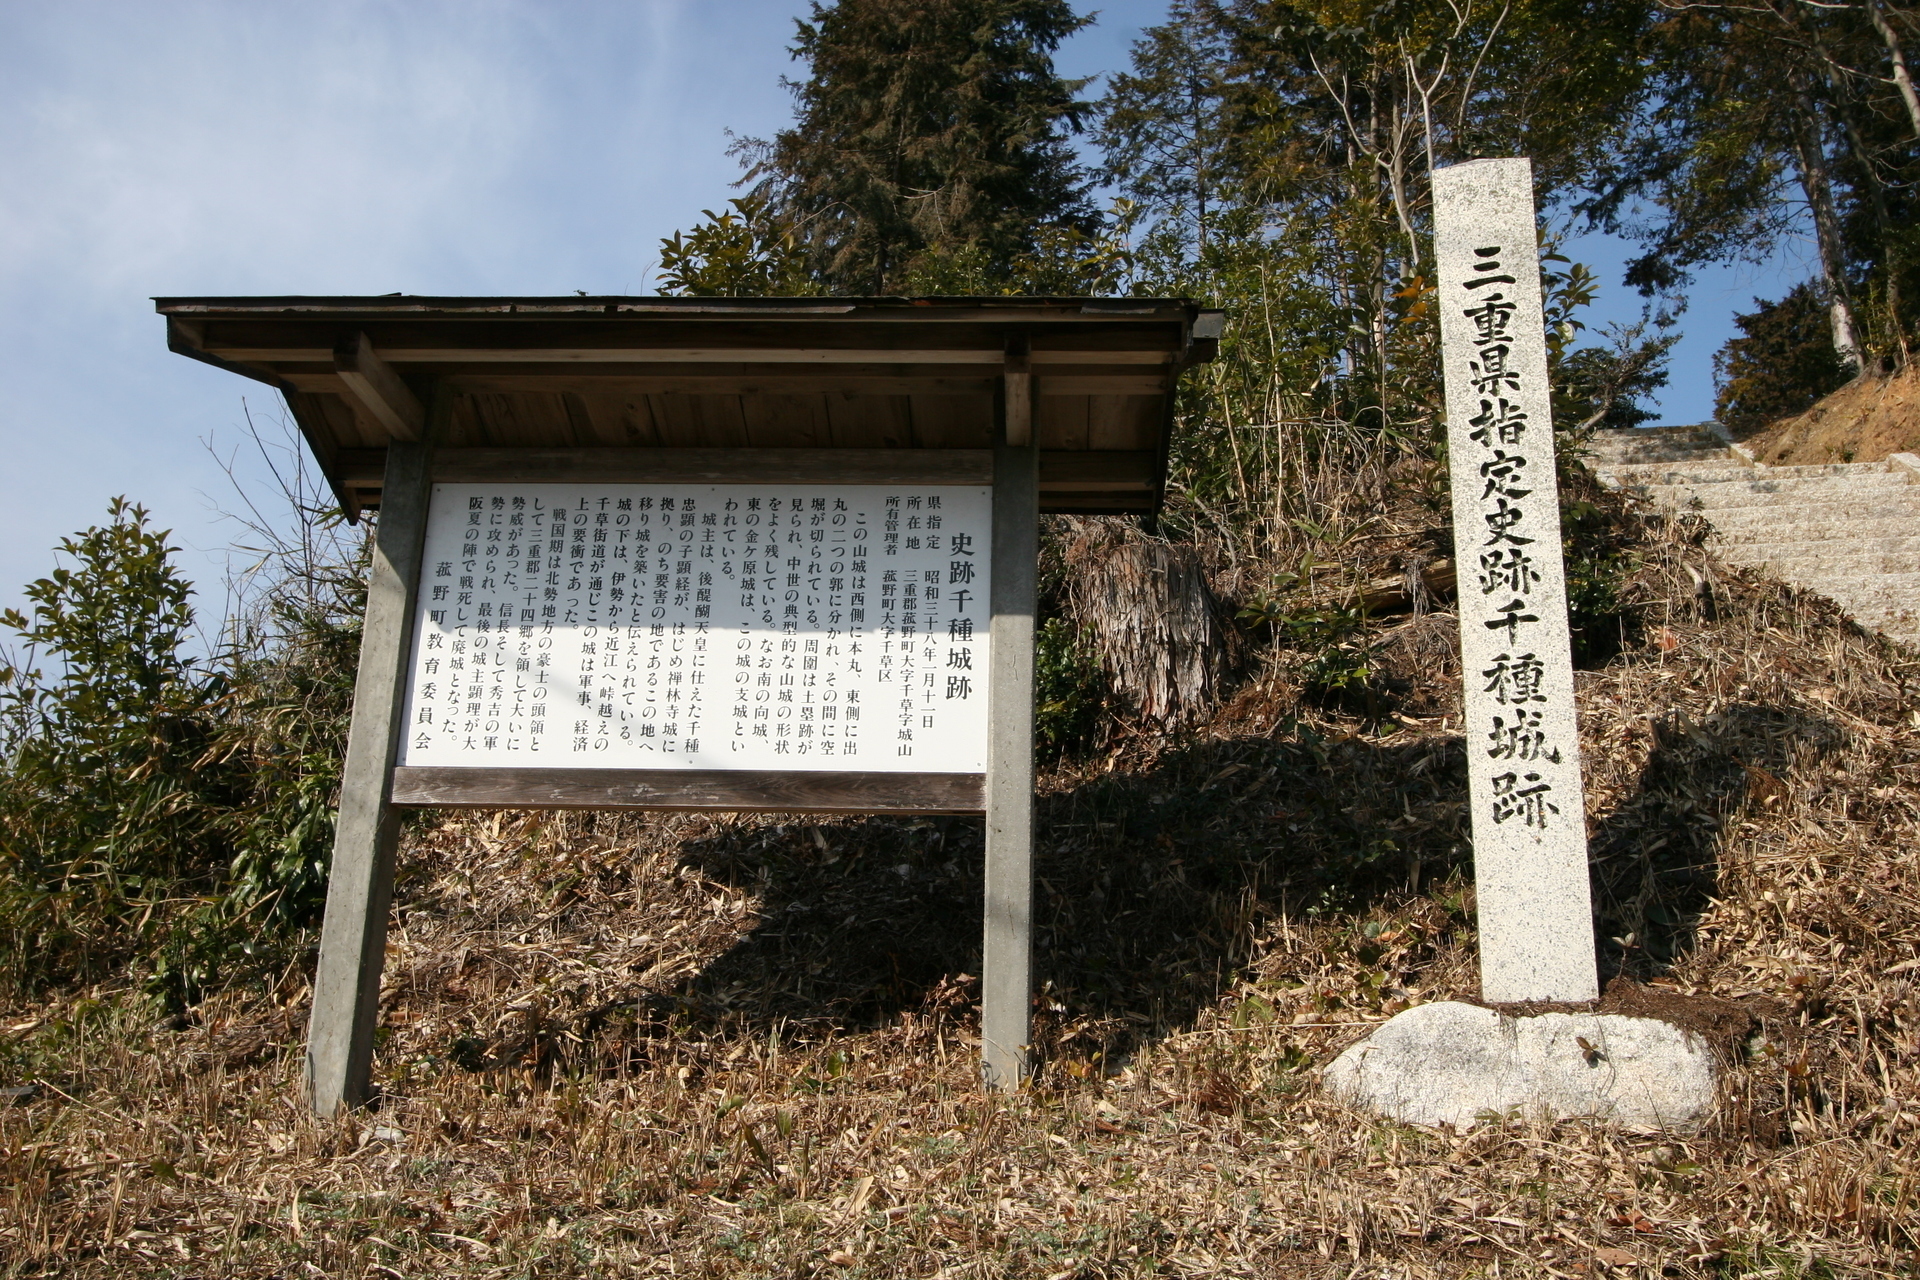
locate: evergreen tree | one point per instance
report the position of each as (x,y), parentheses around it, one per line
(1780,364)
(1164,125)
(926,125)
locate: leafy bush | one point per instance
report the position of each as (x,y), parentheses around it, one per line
(1069,689)
(105,802)
(1338,666)
(1599,560)
(744,252)
(162,812)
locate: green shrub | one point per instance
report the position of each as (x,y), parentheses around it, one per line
(1599,560)
(1782,362)
(105,803)
(163,813)
(1069,688)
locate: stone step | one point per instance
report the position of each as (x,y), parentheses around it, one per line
(1899,627)
(1704,472)
(1656,453)
(1650,435)
(1901,588)
(1715,471)
(1839,469)
(1827,529)
(1838,558)
(1679,431)
(1656,450)
(1885,602)
(1668,473)
(1780,511)
(1905,607)
(1877,599)
(1759,493)
(1654,432)
(1896,546)
(1904,627)
(1847,530)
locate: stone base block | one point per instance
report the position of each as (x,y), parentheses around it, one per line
(1452,1064)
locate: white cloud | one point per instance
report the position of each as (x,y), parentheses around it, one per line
(428,146)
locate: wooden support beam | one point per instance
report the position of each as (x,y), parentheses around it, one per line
(346,987)
(1007,963)
(1100,384)
(373,385)
(723,384)
(714,466)
(722,790)
(601,381)
(1060,469)
(688,355)
(1018,379)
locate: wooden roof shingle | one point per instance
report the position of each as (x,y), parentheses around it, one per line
(667,386)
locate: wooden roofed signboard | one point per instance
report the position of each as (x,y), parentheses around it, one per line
(658,383)
(768,554)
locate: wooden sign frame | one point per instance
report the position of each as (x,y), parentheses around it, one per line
(1057,403)
(374,790)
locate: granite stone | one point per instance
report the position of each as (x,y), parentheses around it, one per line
(1460,1064)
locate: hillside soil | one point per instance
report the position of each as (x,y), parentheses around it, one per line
(709,1046)
(1863,421)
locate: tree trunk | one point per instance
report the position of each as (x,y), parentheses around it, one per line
(1199,166)
(1882,220)
(1816,180)
(1899,59)
(1153,618)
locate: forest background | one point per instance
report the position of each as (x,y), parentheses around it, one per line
(165,814)
(1273,159)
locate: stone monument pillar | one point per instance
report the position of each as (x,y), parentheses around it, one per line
(1523,750)
(1449,1063)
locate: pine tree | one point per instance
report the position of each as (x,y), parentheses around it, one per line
(1164,125)
(926,125)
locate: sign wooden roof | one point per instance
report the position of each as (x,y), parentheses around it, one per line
(663,385)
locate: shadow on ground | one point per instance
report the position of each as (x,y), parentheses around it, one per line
(1150,887)
(1157,890)
(1656,858)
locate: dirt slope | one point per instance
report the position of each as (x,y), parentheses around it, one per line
(1863,421)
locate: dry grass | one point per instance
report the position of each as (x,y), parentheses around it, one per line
(1863,421)
(700,1046)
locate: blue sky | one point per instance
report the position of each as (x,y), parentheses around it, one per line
(368,146)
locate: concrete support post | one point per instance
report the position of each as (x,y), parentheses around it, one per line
(1007,967)
(346,988)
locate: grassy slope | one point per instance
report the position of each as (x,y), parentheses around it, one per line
(742,1047)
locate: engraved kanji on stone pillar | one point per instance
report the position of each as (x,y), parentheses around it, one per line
(1523,749)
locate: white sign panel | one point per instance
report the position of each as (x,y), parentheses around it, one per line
(677,626)
(1523,746)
